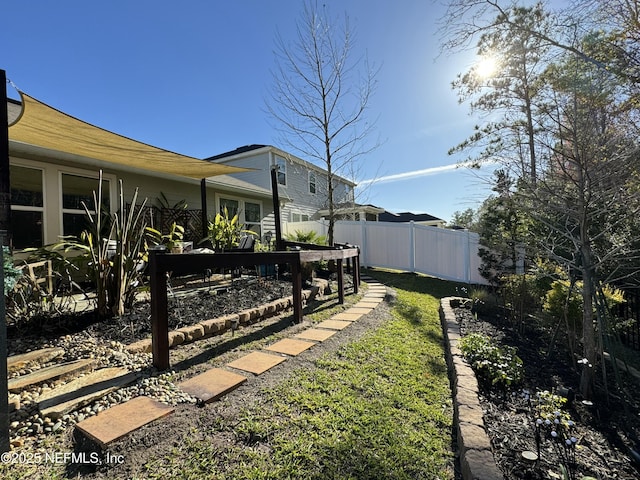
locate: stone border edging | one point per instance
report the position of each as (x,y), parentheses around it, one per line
(220,325)
(474,447)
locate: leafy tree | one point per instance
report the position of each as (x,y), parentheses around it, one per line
(465,219)
(319,101)
(503,229)
(563,120)
(506,98)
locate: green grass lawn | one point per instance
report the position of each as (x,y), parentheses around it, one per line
(379,408)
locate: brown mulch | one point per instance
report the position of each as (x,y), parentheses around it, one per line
(607,430)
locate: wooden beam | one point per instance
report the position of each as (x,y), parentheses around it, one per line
(159,314)
(5,226)
(203,201)
(180,264)
(276,207)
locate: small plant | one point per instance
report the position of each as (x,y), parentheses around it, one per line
(554,426)
(114,246)
(307,237)
(497,366)
(172,240)
(223,232)
(11,273)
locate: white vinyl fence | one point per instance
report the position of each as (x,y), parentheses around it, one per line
(442,253)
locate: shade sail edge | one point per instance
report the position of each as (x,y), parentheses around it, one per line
(42,125)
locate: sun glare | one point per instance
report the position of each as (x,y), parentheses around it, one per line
(487,67)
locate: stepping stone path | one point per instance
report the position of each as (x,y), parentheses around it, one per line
(116,422)
(123,419)
(84,390)
(212,384)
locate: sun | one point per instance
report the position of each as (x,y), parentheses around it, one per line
(487,67)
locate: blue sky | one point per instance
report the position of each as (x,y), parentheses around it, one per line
(192,77)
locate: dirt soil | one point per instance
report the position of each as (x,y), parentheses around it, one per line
(606,431)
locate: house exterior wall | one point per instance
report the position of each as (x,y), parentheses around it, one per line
(49,172)
(300,203)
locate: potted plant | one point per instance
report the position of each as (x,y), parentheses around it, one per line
(172,240)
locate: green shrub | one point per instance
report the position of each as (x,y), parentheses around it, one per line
(494,365)
(11,273)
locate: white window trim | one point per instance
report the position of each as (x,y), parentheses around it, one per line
(112,179)
(43,183)
(281,161)
(241,207)
(315,182)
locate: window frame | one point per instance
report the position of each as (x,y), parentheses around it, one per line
(32,208)
(313,182)
(242,210)
(281,173)
(110,194)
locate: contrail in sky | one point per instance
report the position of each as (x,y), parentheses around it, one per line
(425,172)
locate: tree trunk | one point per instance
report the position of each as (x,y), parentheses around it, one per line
(588,330)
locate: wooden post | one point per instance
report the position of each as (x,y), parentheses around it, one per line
(340,281)
(276,207)
(5,231)
(5,184)
(296,279)
(4,388)
(159,315)
(204,214)
(356,272)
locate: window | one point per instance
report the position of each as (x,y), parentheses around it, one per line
(299,217)
(27,207)
(232,207)
(249,214)
(312,182)
(252,218)
(281,164)
(76,192)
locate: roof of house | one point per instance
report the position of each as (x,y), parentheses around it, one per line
(246,150)
(407,217)
(237,151)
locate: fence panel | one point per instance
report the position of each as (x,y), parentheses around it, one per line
(443,253)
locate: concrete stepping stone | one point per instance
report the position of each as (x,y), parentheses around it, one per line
(212,384)
(116,422)
(369,303)
(55,372)
(347,316)
(359,310)
(257,362)
(334,324)
(84,390)
(370,295)
(44,355)
(316,334)
(290,346)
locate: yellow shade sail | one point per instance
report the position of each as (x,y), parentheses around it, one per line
(44,126)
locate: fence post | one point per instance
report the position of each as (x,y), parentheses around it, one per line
(412,246)
(467,259)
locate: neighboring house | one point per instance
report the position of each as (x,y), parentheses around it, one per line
(302,186)
(55,161)
(419,218)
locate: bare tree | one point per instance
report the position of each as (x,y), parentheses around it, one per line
(320,98)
